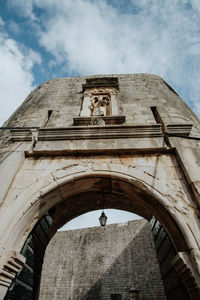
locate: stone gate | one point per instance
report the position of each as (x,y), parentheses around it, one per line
(84,143)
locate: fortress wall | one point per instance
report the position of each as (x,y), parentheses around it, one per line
(94,263)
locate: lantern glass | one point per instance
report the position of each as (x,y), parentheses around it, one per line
(102,219)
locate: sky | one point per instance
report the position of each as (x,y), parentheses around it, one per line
(45,39)
(92,219)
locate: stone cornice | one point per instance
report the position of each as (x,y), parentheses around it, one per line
(98,152)
(108,120)
(88,132)
(183,129)
(98,132)
(104,81)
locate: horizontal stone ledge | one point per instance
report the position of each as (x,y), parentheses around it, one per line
(90,121)
(94,132)
(85,132)
(85,152)
(183,129)
(98,132)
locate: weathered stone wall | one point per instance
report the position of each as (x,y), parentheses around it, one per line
(65,170)
(96,262)
(137,93)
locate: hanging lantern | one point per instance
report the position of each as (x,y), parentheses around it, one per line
(102,219)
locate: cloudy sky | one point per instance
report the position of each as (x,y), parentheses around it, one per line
(44,39)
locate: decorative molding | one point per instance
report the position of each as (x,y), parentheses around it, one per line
(97,132)
(97,82)
(100,90)
(21,135)
(89,152)
(184,268)
(90,121)
(11,263)
(94,132)
(183,129)
(101,101)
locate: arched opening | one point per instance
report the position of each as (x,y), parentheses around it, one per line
(88,192)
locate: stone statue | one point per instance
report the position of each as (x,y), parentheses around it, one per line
(99,105)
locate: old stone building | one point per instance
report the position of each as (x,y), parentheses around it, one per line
(84,143)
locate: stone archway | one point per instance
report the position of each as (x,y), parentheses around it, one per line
(77,188)
(72,181)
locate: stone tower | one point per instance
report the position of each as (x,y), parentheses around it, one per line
(84,143)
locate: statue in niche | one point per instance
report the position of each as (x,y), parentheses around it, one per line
(99,105)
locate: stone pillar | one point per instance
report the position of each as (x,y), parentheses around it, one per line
(85,111)
(114,104)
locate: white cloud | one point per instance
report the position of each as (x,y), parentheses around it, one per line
(93,37)
(16,81)
(92,41)
(195,4)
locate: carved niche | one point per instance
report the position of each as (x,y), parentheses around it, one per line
(100,105)
(99,102)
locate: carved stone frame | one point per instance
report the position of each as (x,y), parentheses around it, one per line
(89,93)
